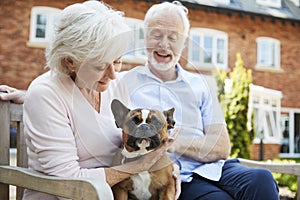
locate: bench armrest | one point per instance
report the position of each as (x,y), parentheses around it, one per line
(73,188)
(293,169)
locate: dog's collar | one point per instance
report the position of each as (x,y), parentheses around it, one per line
(126,160)
(161,163)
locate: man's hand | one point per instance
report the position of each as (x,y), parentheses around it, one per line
(176,175)
(213,146)
(11,94)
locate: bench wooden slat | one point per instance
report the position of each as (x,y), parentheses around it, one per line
(293,169)
(65,187)
(4,144)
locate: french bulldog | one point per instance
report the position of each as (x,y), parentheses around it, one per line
(143,131)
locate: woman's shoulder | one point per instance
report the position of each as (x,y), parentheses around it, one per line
(46,84)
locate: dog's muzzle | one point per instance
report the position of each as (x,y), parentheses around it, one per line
(144,133)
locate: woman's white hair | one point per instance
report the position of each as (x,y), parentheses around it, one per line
(175,6)
(87,31)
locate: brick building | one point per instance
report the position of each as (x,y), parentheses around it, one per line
(265,32)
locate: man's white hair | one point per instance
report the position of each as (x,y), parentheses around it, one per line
(175,6)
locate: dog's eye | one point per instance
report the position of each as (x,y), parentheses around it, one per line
(136,119)
(155,121)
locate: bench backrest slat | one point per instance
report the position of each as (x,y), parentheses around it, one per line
(11,113)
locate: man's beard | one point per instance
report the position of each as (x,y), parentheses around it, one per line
(163,66)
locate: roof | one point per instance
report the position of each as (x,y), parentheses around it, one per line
(288,9)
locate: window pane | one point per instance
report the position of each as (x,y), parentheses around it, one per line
(141,42)
(255,100)
(256,120)
(208,48)
(285,144)
(41,23)
(195,48)
(131,47)
(220,51)
(273,53)
(137,44)
(269,125)
(297,132)
(267,53)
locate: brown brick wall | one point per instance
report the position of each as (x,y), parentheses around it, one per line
(270,151)
(19,64)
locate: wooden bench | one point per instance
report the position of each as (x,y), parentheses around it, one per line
(69,188)
(22,177)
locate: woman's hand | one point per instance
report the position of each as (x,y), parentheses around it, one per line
(176,175)
(11,94)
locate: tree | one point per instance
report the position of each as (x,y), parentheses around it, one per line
(234,97)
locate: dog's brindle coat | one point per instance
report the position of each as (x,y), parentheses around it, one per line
(143,131)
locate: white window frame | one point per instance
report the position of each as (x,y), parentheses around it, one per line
(215,35)
(268,53)
(51,15)
(270,3)
(137,49)
(266,104)
(289,114)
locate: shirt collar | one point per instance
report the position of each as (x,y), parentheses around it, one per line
(146,71)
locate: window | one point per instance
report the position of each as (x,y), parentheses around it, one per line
(42,25)
(208,48)
(265,105)
(270,3)
(268,53)
(136,52)
(290,132)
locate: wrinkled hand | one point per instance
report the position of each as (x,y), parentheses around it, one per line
(176,175)
(11,94)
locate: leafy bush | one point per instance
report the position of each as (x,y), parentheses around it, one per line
(234,102)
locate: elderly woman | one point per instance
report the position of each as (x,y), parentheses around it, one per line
(68,133)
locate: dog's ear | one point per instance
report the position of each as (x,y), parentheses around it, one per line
(120,112)
(169,117)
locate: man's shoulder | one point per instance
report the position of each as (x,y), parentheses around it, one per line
(192,76)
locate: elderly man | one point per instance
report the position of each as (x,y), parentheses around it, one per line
(203,145)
